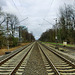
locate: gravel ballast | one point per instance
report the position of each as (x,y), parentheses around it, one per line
(13,52)
(35,64)
(69,56)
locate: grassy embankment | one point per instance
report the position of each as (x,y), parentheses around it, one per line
(69,45)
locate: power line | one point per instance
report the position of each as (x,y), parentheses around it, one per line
(50,6)
(16,7)
(23,19)
(49,10)
(21,6)
(18,11)
(48,22)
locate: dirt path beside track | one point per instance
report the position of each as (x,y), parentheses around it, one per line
(3,50)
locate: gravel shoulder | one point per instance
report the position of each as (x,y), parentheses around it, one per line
(13,52)
(4,49)
(69,54)
(35,64)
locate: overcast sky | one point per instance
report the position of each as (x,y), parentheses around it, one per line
(36,11)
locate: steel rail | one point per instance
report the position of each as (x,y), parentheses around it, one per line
(18,65)
(50,62)
(9,57)
(65,59)
(64,66)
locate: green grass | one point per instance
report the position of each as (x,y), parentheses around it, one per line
(69,45)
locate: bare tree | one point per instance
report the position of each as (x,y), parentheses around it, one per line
(2,17)
(13,22)
(67,23)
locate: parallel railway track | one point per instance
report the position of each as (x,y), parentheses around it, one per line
(47,63)
(55,63)
(15,64)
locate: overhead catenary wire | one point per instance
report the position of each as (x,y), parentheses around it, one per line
(21,5)
(16,7)
(48,22)
(23,19)
(19,11)
(48,11)
(49,7)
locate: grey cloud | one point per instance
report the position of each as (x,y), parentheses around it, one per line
(36,11)
(3,3)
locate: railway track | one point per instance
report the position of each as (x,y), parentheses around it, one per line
(15,64)
(55,63)
(47,63)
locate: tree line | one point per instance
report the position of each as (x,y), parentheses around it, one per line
(64,29)
(9,24)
